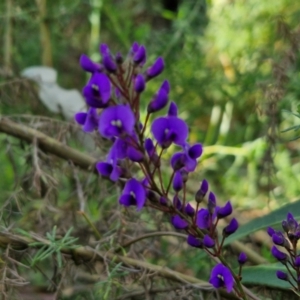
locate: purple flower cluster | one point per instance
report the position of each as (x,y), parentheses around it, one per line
(287,241)
(113,95)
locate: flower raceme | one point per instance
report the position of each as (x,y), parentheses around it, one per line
(285,250)
(113,95)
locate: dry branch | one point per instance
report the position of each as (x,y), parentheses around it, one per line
(47,143)
(88,254)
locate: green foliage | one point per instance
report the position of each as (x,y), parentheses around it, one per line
(274,218)
(53,248)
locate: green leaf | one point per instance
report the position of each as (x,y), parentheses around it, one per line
(264,275)
(296,127)
(272,219)
(290,112)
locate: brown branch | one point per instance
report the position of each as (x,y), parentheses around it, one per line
(87,254)
(47,143)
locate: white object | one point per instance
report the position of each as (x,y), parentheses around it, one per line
(54,97)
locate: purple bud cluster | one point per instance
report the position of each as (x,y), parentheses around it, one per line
(113,94)
(285,250)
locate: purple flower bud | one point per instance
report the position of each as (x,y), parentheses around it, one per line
(202,191)
(89,120)
(177,182)
(281,256)
(208,242)
(185,175)
(195,151)
(88,65)
(242,258)
(104,50)
(156,68)
(139,83)
(285,226)
(149,146)
(113,171)
(135,155)
(282,275)
(119,58)
(166,86)
(179,223)
(270,231)
(297,262)
(224,211)
(176,202)
(134,48)
(231,228)
(278,238)
(211,202)
(203,219)
(109,64)
(189,209)
(163,201)
(173,110)
(194,242)
(159,101)
(140,55)
(292,223)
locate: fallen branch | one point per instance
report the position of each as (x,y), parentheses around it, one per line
(88,254)
(47,143)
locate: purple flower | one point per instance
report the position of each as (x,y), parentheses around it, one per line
(98,90)
(231,227)
(179,223)
(156,68)
(282,275)
(116,121)
(224,211)
(134,193)
(242,258)
(168,130)
(139,83)
(134,154)
(221,277)
(200,194)
(194,241)
(109,169)
(88,120)
(160,100)
(208,242)
(88,65)
(281,256)
(187,159)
